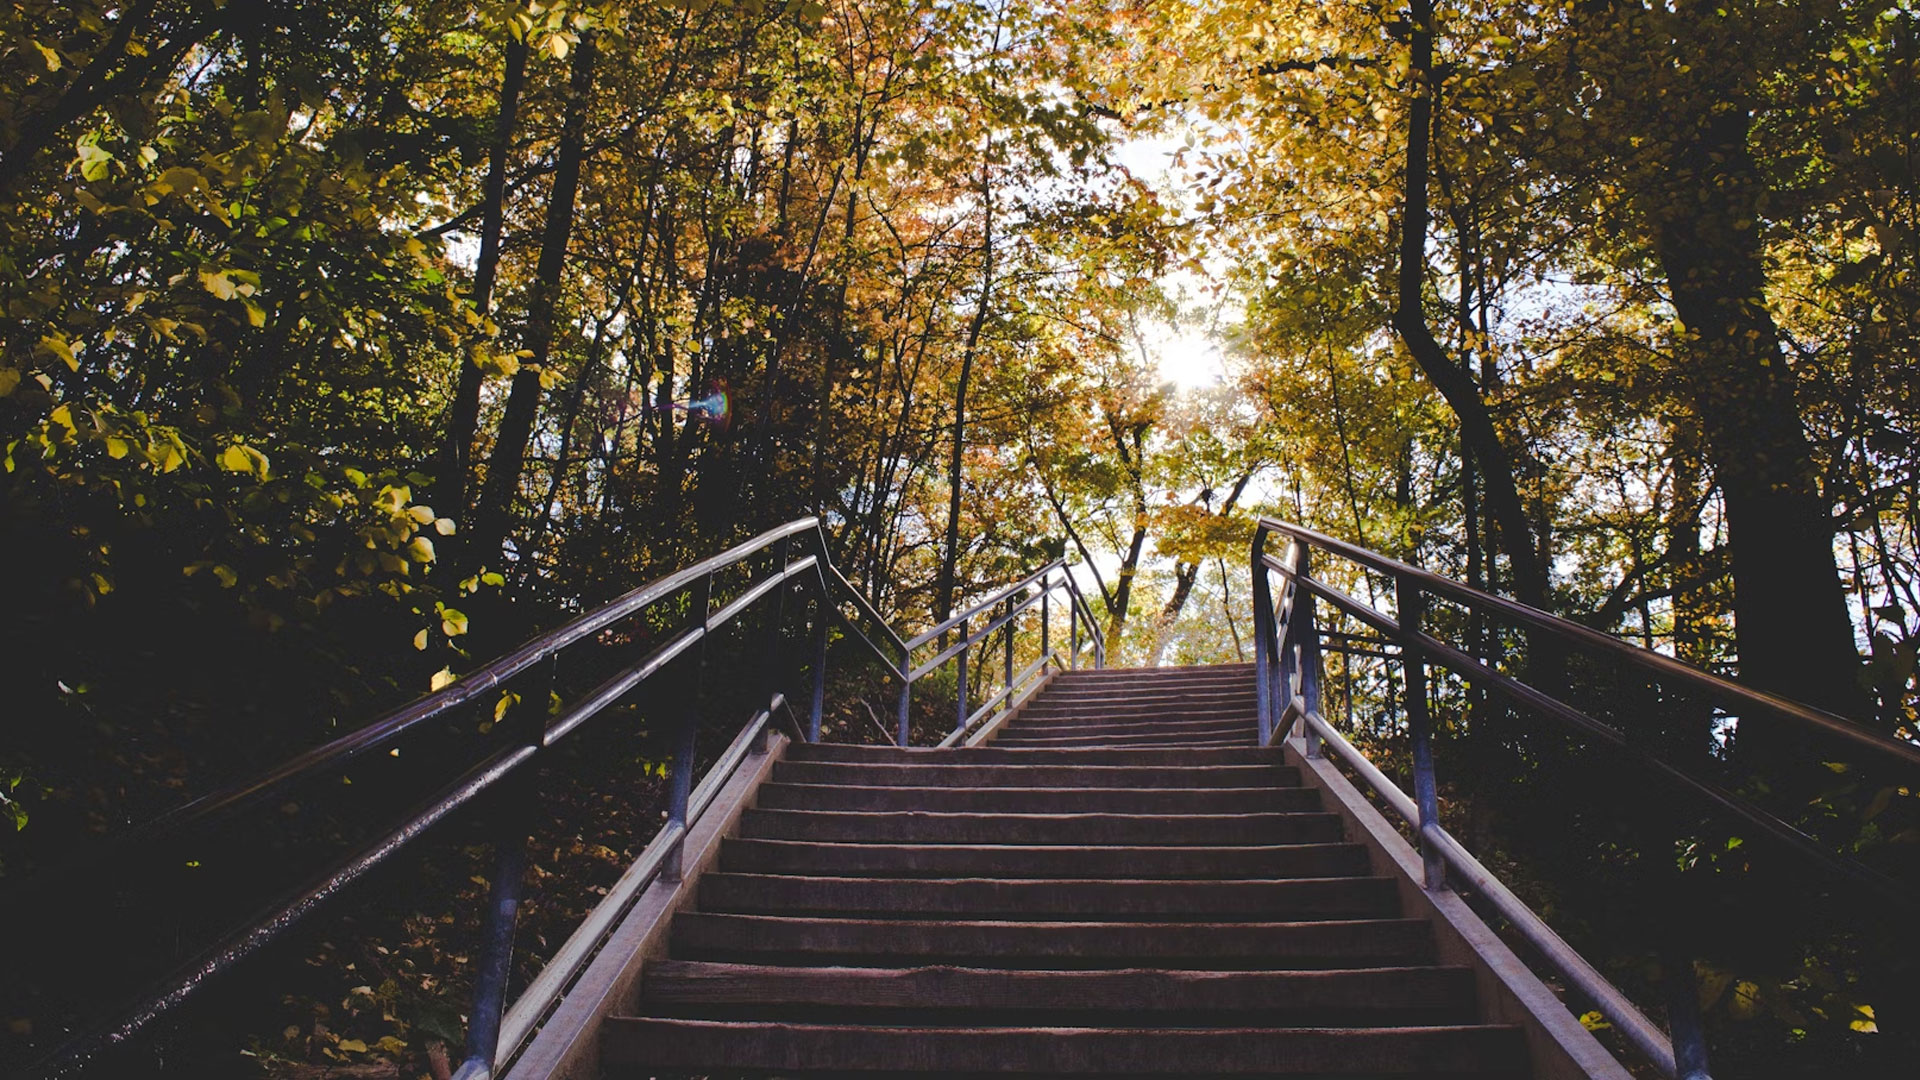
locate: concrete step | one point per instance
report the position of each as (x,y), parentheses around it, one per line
(1052,944)
(1227,737)
(994,755)
(1042,861)
(1045,725)
(1237,698)
(948,995)
(1024,800)
(998,775)
(1294,900)
(916,827)
(633,1043)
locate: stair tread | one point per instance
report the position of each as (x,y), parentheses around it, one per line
(1060,898)
(1119,883)
(1158,989)
(1259,1050)
(1178,863)
(1227,944)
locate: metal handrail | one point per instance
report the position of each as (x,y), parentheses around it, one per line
(1287,664)
(494,1030)
(1002,610)
(1659,664)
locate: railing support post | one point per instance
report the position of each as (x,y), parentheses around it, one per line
(1046,651)
(777,675)
(1683,1019)
(1262,638)
(515,806)
(1073,638)
(817,706)
(1006,702)
(906,703)
(1309,659)
(700,602)
(961,700)
(1420,727)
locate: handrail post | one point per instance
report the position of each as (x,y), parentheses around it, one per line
(775,666)
(1308,662)
(1046,651)
(960,683)
(817,706)
(1073,637)
(1683,1018)
(1420,726)
(1262,627)
(906,699)
(700,601)
(515,806)
(1013,620)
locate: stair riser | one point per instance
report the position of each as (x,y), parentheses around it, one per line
(1086,1051)
(1038,800)
(1097,725)
(982,755)
(1138,997)
(1090,829)
(1151,742)
(1015,741)
(1109,776)
(938,860)
(1115,682)
(1212,699)
(1161,901)
(1200,946)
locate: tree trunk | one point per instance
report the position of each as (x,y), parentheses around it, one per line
(1790,613)
(1455,384)
(950,550)
(463,419)
(493,518)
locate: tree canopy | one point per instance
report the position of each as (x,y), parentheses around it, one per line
(345,343)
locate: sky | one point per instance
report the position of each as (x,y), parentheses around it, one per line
(1185,353)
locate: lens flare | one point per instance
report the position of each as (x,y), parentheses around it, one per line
(715,408)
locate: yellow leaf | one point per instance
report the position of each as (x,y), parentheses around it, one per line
(353,1046)
(234,459)
(420,550)
(117,447)
(219,284)
(64,417)
(58,346)
(441,679)
(421,514)
(507,701)
(256,315)
(390,1044)
(453,623)
(443,526)
(52,58)
(420,640)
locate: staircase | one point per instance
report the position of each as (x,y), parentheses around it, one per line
(1120,884)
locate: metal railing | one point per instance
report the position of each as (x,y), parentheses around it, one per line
(790,559)
(1288,646)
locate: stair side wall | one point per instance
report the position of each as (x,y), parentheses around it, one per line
(567,1047)
(1559,1047)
